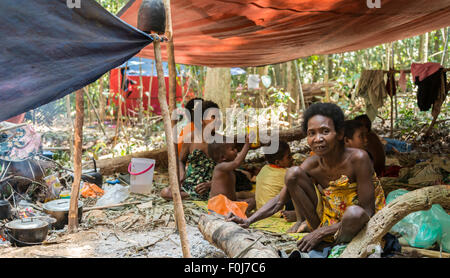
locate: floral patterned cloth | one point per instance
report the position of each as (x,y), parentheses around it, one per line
(341,194)
(200,168)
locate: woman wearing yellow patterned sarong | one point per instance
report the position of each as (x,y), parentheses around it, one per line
(335,190)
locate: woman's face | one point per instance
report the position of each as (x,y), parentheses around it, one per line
(321,135)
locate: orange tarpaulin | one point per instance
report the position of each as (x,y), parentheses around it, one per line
(226,33)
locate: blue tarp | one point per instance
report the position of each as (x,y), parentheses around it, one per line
(49,50)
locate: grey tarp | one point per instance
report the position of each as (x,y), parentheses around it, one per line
(48,50)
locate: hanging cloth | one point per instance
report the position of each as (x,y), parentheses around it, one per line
(441,95)
(372,88)
(428,78)
(391,88)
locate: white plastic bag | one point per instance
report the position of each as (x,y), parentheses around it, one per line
(114,195)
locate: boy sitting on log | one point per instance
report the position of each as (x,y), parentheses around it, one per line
(335,190)
(222,197)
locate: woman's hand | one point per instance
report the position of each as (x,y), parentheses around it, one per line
(244,223)
(311,240)
(203,188)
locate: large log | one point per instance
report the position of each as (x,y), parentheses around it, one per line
(111,166)
(232,239)
(382,221)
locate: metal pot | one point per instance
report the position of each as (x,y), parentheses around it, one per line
(5,210)
(26,231)
(59,209)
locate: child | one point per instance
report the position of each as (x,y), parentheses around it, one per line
(223,183)
(270,180)
(374,145)
(354,135)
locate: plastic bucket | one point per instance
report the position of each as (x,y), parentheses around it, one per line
(141,175)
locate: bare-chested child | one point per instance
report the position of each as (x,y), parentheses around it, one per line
(374,145)
(224,178)
(335,190)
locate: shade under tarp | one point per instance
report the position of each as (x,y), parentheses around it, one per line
(49,50)
(242,33)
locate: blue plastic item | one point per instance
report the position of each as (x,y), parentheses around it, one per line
(113,181)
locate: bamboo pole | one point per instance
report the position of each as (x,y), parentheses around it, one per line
(150,85)
(78,143)
(69,118)
(173,177)
(141,93)
(327,65)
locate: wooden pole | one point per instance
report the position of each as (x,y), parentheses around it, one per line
(173,177)
(78,142)
(327,65)
(171,60)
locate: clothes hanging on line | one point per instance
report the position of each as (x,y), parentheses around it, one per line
(429,79)
(372,88)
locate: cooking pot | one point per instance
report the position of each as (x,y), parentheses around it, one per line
(26,231)
(59,209)
(5,210)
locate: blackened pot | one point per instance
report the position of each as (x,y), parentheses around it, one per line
(59,209)
(26,231)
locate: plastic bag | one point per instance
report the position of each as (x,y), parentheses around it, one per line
(421,228)
(114,195)
(91,190)
(444,219)
(222,205)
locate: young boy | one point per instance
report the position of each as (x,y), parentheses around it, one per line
(270,180)
(354,135)
(374,145)
(223,183)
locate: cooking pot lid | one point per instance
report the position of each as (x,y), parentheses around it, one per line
(60,205)
(26,223)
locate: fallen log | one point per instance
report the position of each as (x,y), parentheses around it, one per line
(120,164)
(232,239)
(383,220)
(111,166)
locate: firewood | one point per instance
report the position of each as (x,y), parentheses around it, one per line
(232,239)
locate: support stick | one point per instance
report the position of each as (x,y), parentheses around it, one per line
(173,178)
(78,142)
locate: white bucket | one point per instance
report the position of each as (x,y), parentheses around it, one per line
(141,175)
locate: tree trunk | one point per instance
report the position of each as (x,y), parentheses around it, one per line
(217,86)
(232,239)
(173,177)
(78,136)
(111,166)
(385,219)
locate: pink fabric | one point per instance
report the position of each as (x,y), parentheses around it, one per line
(424,70)
(17,119)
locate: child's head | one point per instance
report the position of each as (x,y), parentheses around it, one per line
(222,152)
(201,105)
(282,157)
(354,134)
(364,119)
(323,125)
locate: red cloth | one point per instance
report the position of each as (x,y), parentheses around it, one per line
(391,171)
(261,32)
(17,119)
(424,70)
